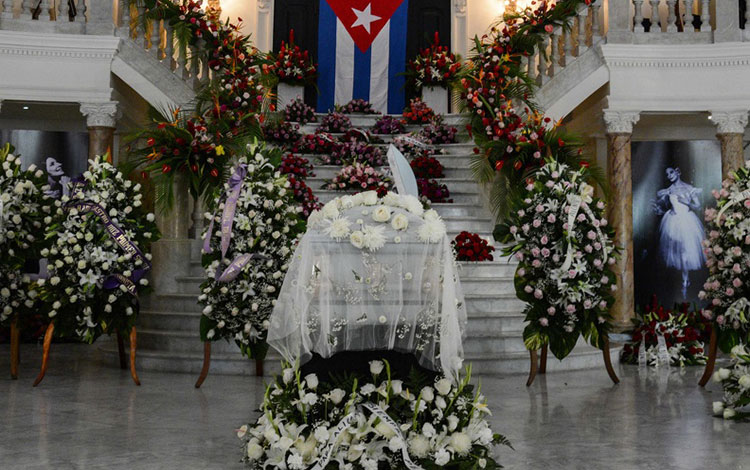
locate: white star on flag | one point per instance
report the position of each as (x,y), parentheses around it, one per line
(364,18)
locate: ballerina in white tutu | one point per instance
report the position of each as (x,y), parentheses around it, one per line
(681,231)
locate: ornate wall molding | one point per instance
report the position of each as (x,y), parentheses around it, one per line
(100,114)
(459,6)
(730,122)
(620,122)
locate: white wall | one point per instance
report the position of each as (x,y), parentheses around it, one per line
(481,14)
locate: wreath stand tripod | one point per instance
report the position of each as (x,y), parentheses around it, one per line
(711,362)
(120,349)
(542,363)
(207,365)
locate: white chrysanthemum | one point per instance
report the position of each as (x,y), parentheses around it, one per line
(461,443)
(431,231)
(338,228)
(330,210)
(373,237)
(412,204)
(381,214)
(392,199)
(431,215)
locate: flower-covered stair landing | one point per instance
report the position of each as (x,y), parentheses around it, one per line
(169,322)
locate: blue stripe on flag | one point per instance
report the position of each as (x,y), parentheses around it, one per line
(397,60)
(326,57)
(362,73)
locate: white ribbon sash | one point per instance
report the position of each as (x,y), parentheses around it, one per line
(737,198)
(347,422)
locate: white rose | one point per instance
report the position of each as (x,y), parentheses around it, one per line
(745,381)
(443,386)
(461,443)
(312,381)
(150,217)
(357,238)
(724,373)
(381,214)
(336,395)
(376,367)
(452,423)
(254,451)
(400,222)
(428,394)
(428,430)
(369,198)
(397,386)
(729,413)
(288,375)
(442,457)
(384,430)
(330,210)
(718,408)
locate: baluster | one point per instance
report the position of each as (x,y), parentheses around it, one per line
(596,23)
(26,7)
(582,15)
(80,11)
(655,26)
(63,9)
(671,16)
(638,16)
(44,11)
(543,61)
(141,16)
(155,39)
(554,53)
(747,14)
(568,47)
(181,69)
(204,69)
(194,59)
(168,45)
(7,9)
(705,15)
(687,26)
(125,16)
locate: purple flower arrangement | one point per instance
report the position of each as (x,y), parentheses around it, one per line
(318,143)
(298,111)
(357,106)
(335,123)
(282,132)
(350,152)
(433,191)
(388,125)
(359,135)
(438,133)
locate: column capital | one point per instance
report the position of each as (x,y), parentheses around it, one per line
(460,7)
(620,122)
(730,122)
(102,114)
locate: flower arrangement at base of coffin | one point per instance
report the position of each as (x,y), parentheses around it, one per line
(371,423)
(564,249)
(246,251)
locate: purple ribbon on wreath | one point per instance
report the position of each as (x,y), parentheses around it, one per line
(227,221)
(119,237)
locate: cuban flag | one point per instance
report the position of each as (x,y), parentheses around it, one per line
(361,52)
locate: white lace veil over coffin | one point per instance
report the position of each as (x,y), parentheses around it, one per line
(405,296)
(403,175)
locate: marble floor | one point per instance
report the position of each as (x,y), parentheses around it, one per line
(87,414)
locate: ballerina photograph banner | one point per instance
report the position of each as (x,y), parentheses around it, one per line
(672,184)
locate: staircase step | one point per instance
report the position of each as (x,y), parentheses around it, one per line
(327,172)
(492,342)
(326,195)
(479,324)
(190,284)
(485,303)
(487,285)
(498,267)
(180,341)
(173,302)
(169,321)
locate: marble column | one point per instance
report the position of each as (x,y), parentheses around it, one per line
(101,120)
(620,210)
(730,132)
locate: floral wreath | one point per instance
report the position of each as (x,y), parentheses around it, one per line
(246,250)
(24,207)
(564,248)
(101,235)
(726,248)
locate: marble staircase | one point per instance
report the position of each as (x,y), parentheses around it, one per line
(169,321)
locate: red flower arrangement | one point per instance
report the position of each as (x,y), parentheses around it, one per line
(350,152)
(427,167)
(335,123)
(434,66)
(318,143)
(292,164)
(283,132)
(359,135)
(299,111)
(293,65)
(357,106)
(438,133)
(304,195)
(433,191)
(684,332)
(471,247)
(418,112)
(359,177)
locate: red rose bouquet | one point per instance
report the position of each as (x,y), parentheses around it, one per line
(433,191)
(427,167)
(357,106)
(335,123)
(293,65)
(418,112)
(298,111)
(471,247)
(434,66)
(388,125)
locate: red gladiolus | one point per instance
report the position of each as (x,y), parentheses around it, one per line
(214,172)
(150,142)
(499,165)
(166,168)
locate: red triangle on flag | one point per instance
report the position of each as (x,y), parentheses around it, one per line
(364,19)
